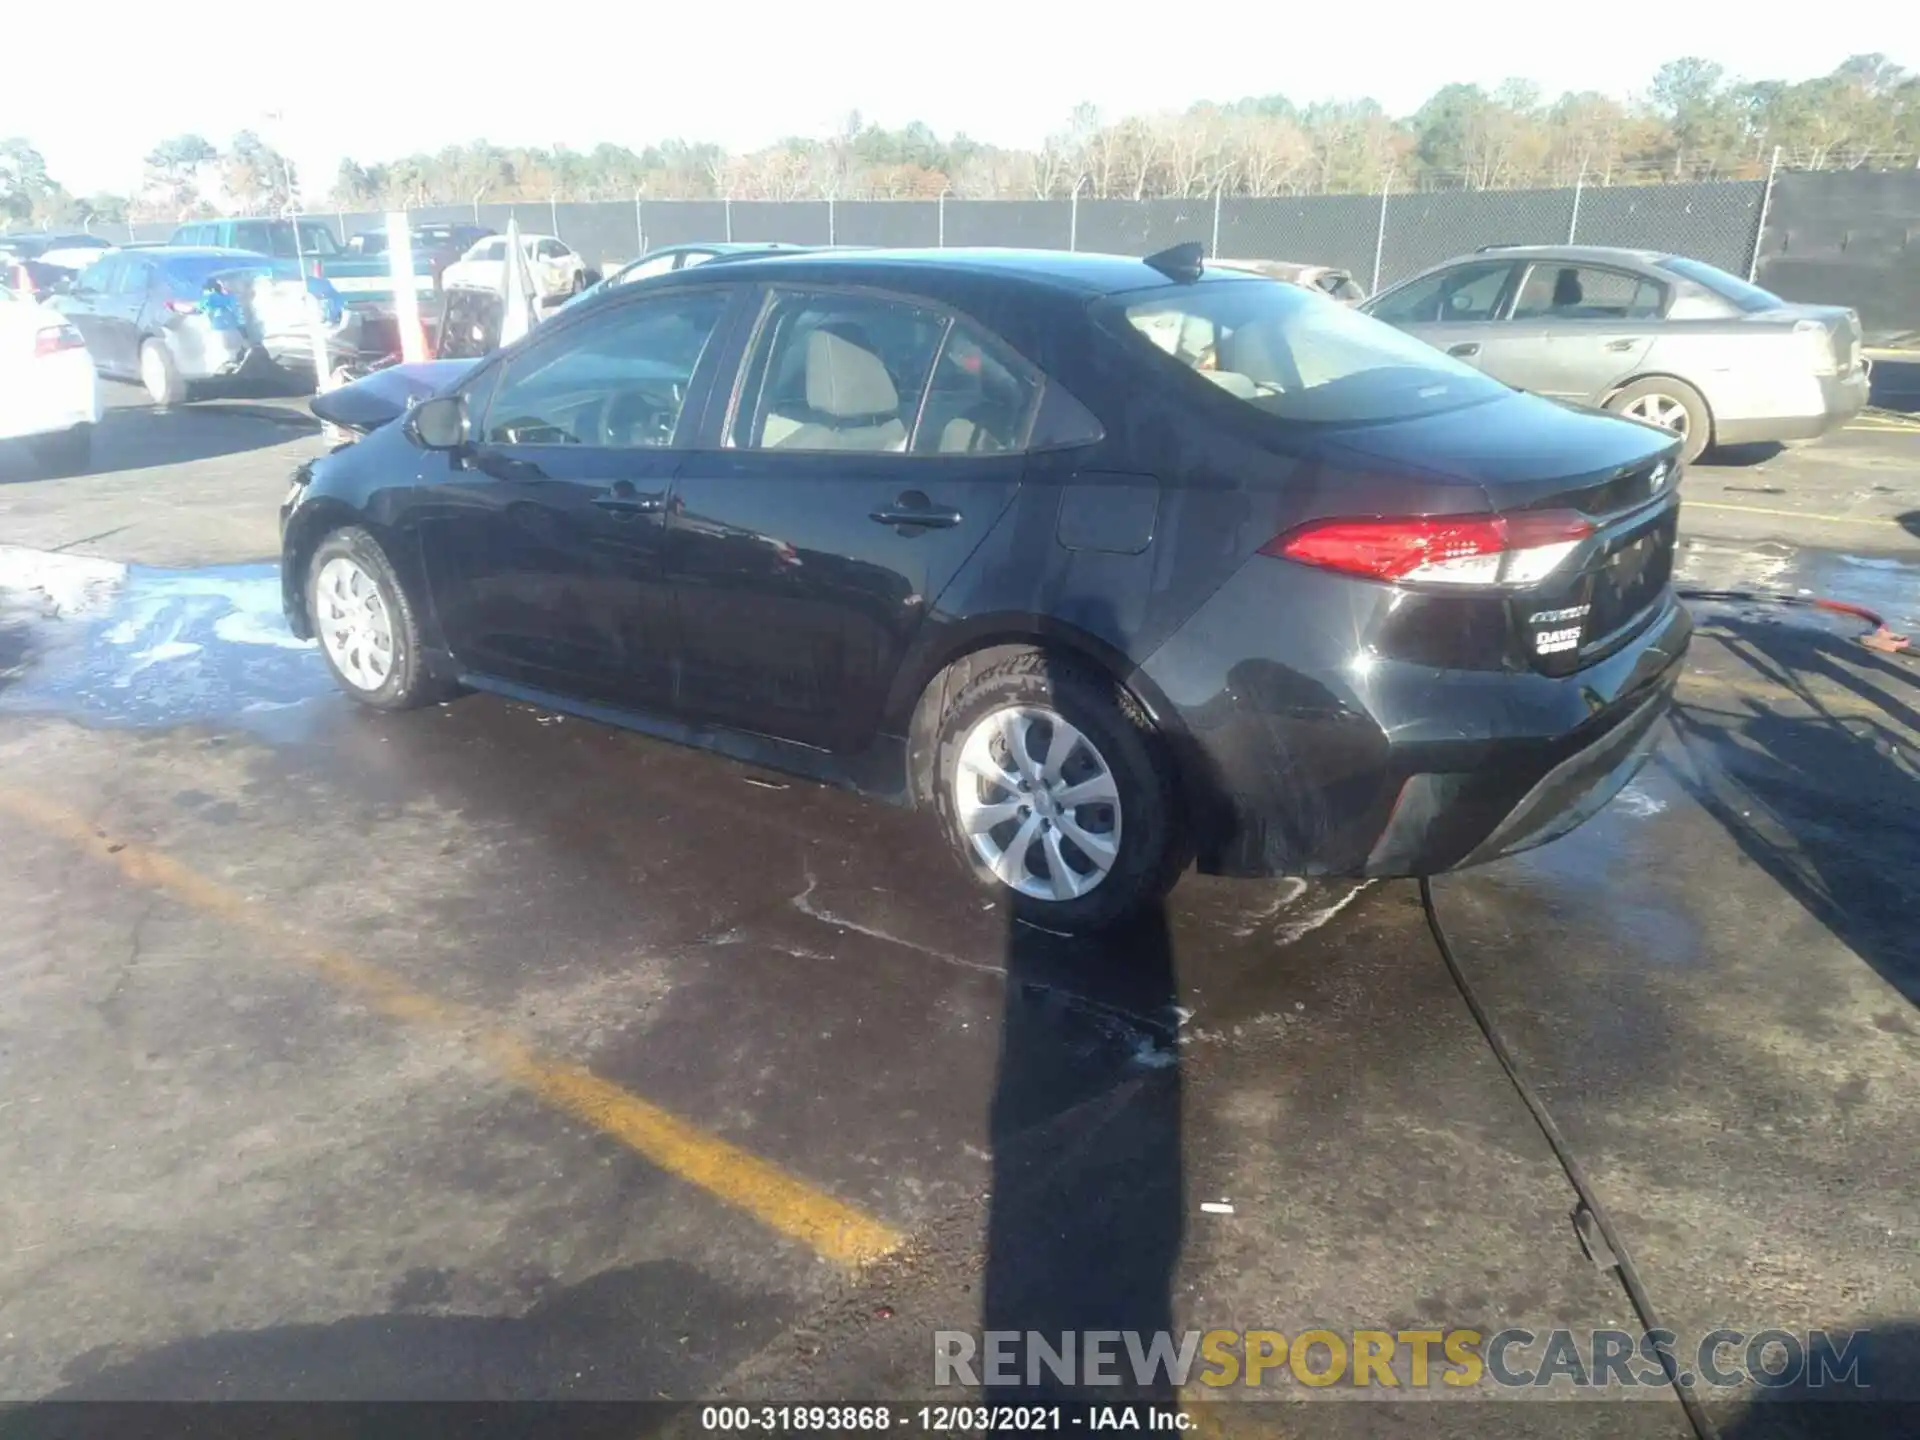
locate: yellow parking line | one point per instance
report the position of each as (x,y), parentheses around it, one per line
(1792,514)
(782,1202)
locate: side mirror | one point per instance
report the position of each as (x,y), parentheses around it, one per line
(439,424)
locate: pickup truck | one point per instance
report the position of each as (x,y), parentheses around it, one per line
(364,280)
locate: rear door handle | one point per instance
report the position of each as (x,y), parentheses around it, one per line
(1464,348)
(913,508)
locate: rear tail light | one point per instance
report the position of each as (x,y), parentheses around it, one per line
(53,340)
(1818,341)
(184,307)
(1505,551)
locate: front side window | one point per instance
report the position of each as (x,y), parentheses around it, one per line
(253,236)
(552,250)
(1289,353)
(1585,292)
(1466,292)
(617,381)
(318,240)
(838,372)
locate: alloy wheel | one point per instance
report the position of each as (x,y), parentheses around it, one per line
(1657,409)
(353,623)
(1038,802)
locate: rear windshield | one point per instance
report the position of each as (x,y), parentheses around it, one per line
(187,274)
(1298,355)
(1748,297)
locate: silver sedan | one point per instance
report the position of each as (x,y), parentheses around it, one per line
(1660,338)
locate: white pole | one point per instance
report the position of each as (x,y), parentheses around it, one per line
(639,226)
(943,220)
(406,300)
(1760,225)
(1573,220)
(1073,216)
(1213,250)
(1380,234)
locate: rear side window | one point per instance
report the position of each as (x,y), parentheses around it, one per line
(1740,293)
(838,372)
(1585,292)
(1464,293)
(980,400)
(1290,354)
(252,235)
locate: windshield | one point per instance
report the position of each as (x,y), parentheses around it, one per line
(1749,297)
(1290,353)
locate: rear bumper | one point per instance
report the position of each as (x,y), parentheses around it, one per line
(1325,760)
(1841,398)
(53,394)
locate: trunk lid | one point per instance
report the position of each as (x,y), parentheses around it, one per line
(1525,453)
(1845,338)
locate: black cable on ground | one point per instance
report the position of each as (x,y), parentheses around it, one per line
(1591,1211)
(1880,638)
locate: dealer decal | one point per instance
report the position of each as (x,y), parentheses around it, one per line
(1561,637)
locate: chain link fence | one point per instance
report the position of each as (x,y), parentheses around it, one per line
(1380,239)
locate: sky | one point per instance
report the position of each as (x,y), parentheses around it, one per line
(1006,71)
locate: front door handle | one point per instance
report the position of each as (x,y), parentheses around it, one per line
(1621,344)
(913,508)
(623,499)
(1464,348)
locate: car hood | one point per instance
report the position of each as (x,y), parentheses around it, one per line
(385,395)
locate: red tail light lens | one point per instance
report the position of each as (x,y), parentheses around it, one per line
(1495,550)
(53,341)
(183,307)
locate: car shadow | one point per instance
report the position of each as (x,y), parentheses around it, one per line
(1896,385)
(1820,794)
(132,438)
(1809,1402)
(619,1336)
(1740,457)
(1909,522)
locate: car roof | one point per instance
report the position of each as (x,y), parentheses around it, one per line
(1615,253)
(199,252)
(1075,272)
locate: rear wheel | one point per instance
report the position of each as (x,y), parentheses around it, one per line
(161,375)
(366,625)
(1058,795)
(1672,405)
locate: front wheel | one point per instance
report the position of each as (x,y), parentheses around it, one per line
(1672,405)
(366,625)
(1058,795)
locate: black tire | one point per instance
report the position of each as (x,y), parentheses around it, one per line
(1699,420)
(408,684)
(1152,848)
(70,452)
(160,375)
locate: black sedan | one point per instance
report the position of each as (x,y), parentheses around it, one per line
(1113,565)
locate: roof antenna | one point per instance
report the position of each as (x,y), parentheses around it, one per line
(1180,262)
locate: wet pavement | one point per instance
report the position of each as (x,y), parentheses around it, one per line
(302,1011)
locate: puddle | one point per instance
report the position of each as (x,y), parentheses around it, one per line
(1890,587)
(127,645)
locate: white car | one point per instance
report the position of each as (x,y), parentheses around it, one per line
(557,271)
(49,395)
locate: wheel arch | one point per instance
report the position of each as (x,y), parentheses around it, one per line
(1613,391)
(310,524)
(921,697)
